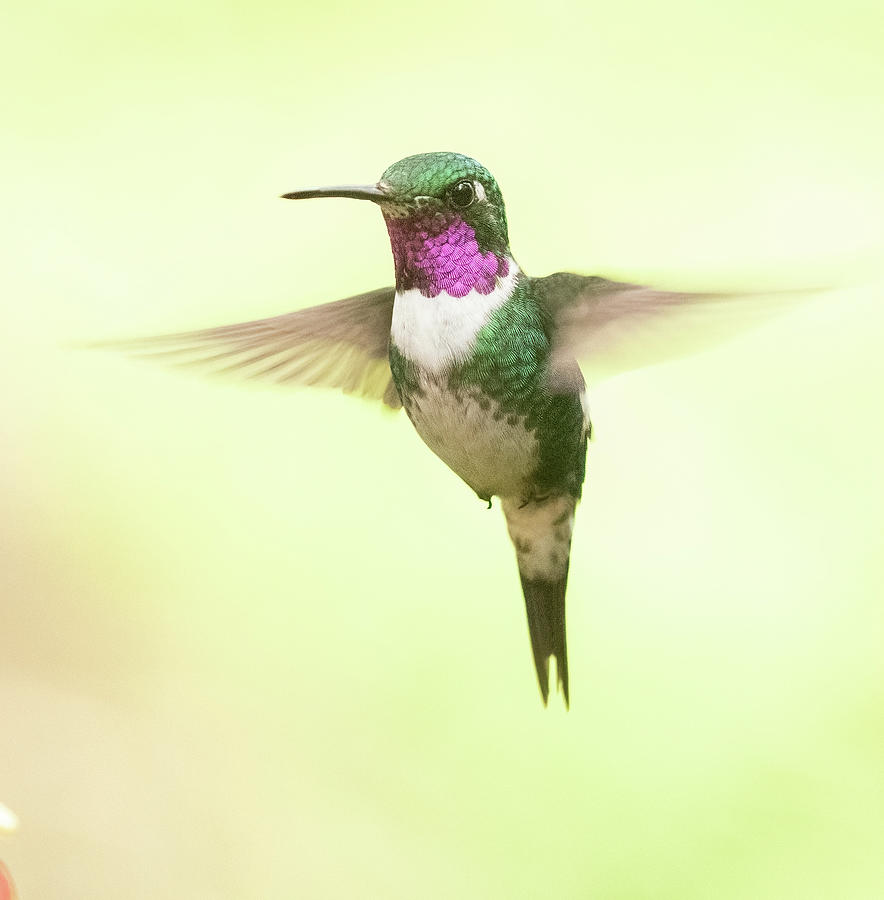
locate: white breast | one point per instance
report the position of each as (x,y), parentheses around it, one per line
(438,332)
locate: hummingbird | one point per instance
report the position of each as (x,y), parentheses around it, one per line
(481,356)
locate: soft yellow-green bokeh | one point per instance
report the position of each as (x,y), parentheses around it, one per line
(260,643)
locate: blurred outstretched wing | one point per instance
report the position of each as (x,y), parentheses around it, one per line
(613,327)
(342,345)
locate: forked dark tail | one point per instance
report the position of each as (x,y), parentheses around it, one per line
(541,533)
(545,606)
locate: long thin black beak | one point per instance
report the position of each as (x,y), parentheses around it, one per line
(355,191)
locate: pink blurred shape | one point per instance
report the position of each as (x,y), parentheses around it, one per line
(7,888)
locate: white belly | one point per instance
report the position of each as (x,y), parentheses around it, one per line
(490,449)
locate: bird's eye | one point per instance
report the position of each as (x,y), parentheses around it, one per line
(462,194)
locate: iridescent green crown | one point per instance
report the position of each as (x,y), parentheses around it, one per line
(430,174)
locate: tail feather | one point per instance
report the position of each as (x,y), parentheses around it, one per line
(541,533)
(545,606)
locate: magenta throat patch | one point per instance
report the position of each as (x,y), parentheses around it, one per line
(435,252)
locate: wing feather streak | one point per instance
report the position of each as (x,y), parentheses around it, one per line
(614,327)
(343,344)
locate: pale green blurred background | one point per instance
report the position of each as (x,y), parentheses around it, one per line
(260,643)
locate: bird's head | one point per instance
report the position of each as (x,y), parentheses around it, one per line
(446,221)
